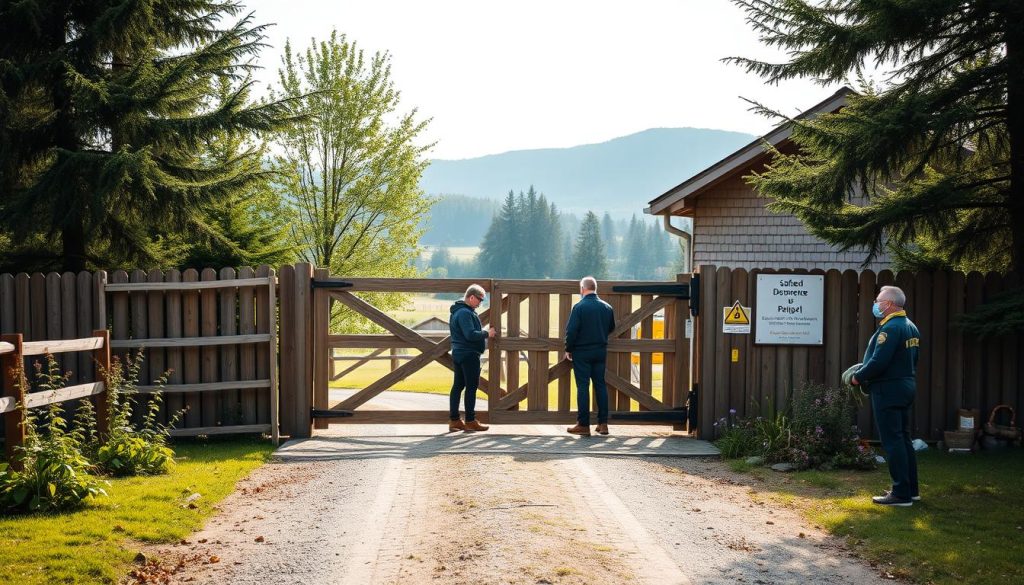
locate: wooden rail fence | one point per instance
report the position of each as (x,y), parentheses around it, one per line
(14,350)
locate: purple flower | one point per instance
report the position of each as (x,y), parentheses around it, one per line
(732,411)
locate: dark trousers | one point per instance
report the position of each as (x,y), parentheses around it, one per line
(467,376)
(893,422)
(588,365)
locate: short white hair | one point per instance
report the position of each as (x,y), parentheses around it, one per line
(474,290)
(588,283)
(893,294)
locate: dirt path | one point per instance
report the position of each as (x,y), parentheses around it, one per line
(388,513)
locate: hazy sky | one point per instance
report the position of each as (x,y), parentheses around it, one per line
(502,75)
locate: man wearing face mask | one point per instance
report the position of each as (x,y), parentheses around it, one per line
(888,372)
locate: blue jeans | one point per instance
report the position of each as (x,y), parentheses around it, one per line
(588,365)
(892,417)
(467,376)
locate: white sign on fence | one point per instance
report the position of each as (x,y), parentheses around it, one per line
(790,309)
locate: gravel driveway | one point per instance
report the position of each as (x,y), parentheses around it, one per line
(386,504)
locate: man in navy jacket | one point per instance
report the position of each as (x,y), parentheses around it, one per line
(586,345)
(889,374)
(468,337)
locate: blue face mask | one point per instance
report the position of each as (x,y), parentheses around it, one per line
(876,310)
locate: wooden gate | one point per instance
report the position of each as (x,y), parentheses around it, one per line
(531,315)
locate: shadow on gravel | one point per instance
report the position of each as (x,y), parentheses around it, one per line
(333,448)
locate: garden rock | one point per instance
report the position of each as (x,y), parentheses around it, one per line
(783,467)
(755,460)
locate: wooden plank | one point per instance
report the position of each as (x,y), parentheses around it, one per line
(649,305)
(723,297)
(37,302)
(370,341)
(833,327)
(321,345)
(6,347)
(84,324)
(7,303)
(552,286)
(266,320)
(646,364)
(624,361)
(227,300)
(247,353)
(816,370)
(670,387)
(974,359)
(161,286)
(564,382)
(14,392)
(172,329)
(205,387)
(511,355)
(212,402)
(536,417)
(287,387)
(119,303)
(737,369)
(623,385)
(940,414)
(62,346)
(511,400)
(229,430)
(183,342)
(866,293)
(1009,386)
(46,397)
(101,403)
(494,391)
(537,394)
(99,281)
(848,343)
(138,315)
(23,305)
(391,378)
(68,324)
(156,357)
(919,309)
(704,328)
(683,348)
(192,360)
(303,424)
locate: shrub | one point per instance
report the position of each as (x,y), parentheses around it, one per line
(824,433)
(55,475)
(766,435)
(131,450)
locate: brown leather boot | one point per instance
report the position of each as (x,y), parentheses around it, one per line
(456,425)
(583,431)
(602,429)
(474,425)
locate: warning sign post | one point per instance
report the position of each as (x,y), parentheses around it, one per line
(736,319)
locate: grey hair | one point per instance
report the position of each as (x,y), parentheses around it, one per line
(474,290)
(894,294)
(588,283)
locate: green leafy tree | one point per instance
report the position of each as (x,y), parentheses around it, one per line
(938,150)
(588,256)
(105,109)
(352,167)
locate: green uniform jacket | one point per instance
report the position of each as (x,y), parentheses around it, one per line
(890,361)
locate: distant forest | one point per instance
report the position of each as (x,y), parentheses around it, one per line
(528,237)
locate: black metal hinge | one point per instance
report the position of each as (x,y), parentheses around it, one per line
(329,283)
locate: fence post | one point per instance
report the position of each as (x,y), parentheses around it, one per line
(14,421)
(101,402)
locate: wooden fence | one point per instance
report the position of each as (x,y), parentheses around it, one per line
(14,350)
(955,369)
(215,332)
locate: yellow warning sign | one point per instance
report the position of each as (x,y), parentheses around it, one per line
(737,315)
(736,319)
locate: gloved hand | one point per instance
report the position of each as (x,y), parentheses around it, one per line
(848,374)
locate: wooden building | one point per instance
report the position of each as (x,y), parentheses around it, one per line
(732,227)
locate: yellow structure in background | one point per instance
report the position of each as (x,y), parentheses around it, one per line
(658,333)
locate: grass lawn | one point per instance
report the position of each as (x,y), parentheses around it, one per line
(968,528)
(97,543)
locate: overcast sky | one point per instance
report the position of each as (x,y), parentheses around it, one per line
(503,75)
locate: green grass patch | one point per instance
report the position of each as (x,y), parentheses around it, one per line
(97,543)
(968,528)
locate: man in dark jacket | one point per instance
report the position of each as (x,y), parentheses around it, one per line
(468,338)
(889,374)
(586,345)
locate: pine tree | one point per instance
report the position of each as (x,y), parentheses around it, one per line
(588,257)
(938,149)
(608,235)
(495,259)
(635,246)
(657,247)
(105,107)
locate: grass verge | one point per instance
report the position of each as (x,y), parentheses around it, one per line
(97,543)
(968,527)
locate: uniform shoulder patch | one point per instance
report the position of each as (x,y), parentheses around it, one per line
(881,337)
